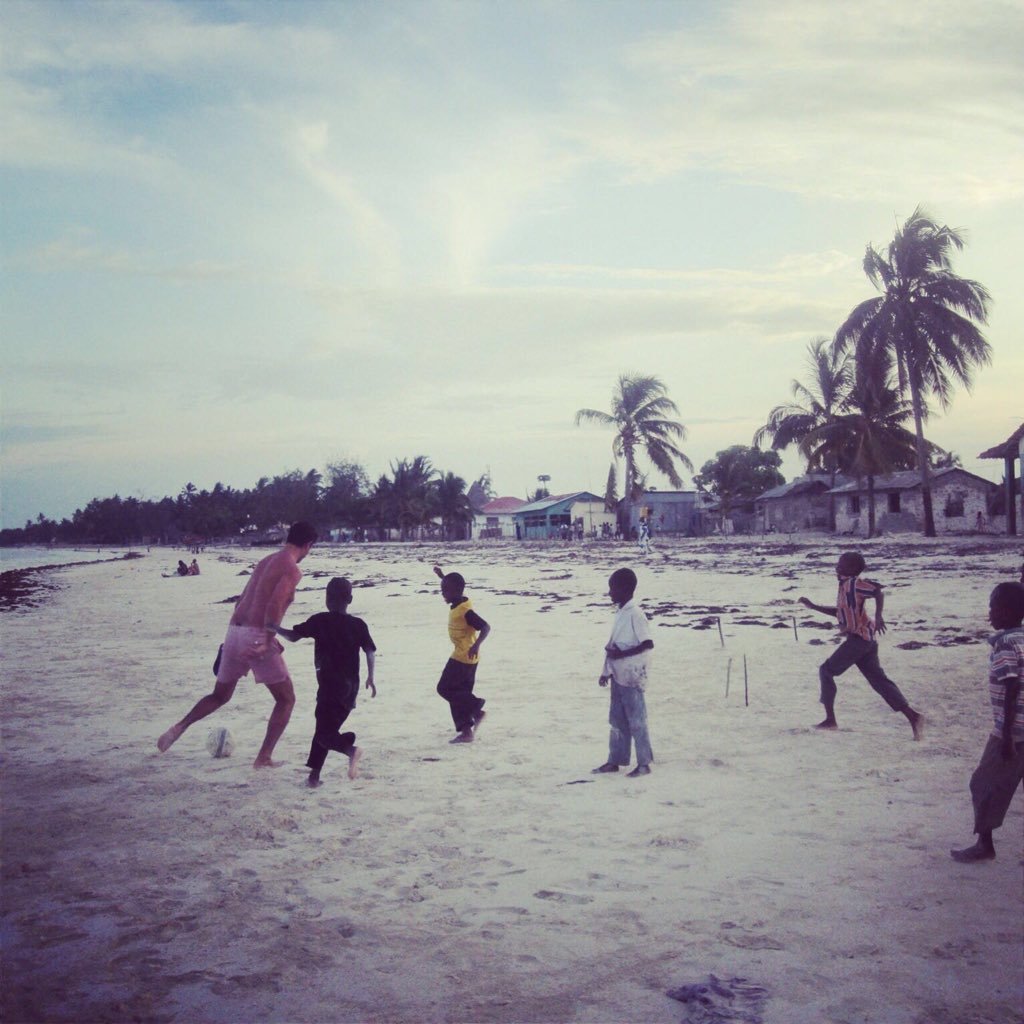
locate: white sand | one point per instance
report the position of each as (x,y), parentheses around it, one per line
(476,883)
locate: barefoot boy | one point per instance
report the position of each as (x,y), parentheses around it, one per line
(1001,767)
(467,631)
(339,637)
(859,646)
(626,663)
(251,645)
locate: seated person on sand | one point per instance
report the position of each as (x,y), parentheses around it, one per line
(193,569)
(182,568)
(251,644)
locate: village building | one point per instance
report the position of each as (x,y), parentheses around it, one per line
(580,514)
(680,513)
(1011,451)
(495,521)
(801,504)
(958,498)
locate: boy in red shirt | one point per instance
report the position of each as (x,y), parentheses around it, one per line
(859,646)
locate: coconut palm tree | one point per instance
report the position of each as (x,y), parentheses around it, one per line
(641,418)
(926,319)
(868,436)
(830,375)
(452,505)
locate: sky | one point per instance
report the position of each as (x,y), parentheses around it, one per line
(243,238)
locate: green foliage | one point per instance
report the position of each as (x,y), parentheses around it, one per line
(737,475)
(925,321)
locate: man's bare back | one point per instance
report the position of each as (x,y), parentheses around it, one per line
(266,598)
(270,590)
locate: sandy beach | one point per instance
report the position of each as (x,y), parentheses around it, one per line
(501,881)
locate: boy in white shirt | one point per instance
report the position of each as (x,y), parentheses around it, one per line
(626,664)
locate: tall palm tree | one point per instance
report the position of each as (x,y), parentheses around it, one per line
(452,505)
(868,436)
(926,318)
(641,418)
(817,404)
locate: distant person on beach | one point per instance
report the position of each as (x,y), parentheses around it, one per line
(644,541)
(182,568)
(859,646)
(193,569)
(251,644)
(467,632)
(338,638)
(1001,768)
(626,666)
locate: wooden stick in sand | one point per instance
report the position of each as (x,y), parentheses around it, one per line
(795,637)
(718,619)
(728,675)
(746,687)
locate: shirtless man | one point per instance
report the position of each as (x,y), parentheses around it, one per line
(251,644)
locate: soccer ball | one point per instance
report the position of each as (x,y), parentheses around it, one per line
(219,743)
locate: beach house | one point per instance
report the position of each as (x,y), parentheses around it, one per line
(1011,451)
(958,497)
(669,512)
(580,514)
(801,504)
(495,520)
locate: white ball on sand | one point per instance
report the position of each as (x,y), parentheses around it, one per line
(219,743)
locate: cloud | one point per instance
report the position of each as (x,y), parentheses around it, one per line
(824,101)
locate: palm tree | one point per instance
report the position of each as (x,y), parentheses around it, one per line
(867,437)
(925,319)
(640,417)
(452,505)
(817,403)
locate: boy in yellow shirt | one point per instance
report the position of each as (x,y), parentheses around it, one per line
(467,631)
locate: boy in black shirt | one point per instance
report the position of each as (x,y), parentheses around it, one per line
(339,638)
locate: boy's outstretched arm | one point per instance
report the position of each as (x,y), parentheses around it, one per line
(439,572)
(823,608)
(371,661)
(288,634)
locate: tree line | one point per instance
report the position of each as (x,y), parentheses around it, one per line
(412,496)
(861,413)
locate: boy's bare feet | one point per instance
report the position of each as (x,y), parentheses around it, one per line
(169,738)
(604,769)
(917,724)
(266,762)
(829,723)
(314,780)
(466,736)
(973,853)
(353,762)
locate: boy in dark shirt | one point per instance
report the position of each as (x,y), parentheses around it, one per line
(467,632)
(339,637)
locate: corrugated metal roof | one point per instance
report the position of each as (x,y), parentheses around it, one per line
(907,480)
(1009,448)
(498,505)
(556,499)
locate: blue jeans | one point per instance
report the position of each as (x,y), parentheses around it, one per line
(855,650)
(628,718)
